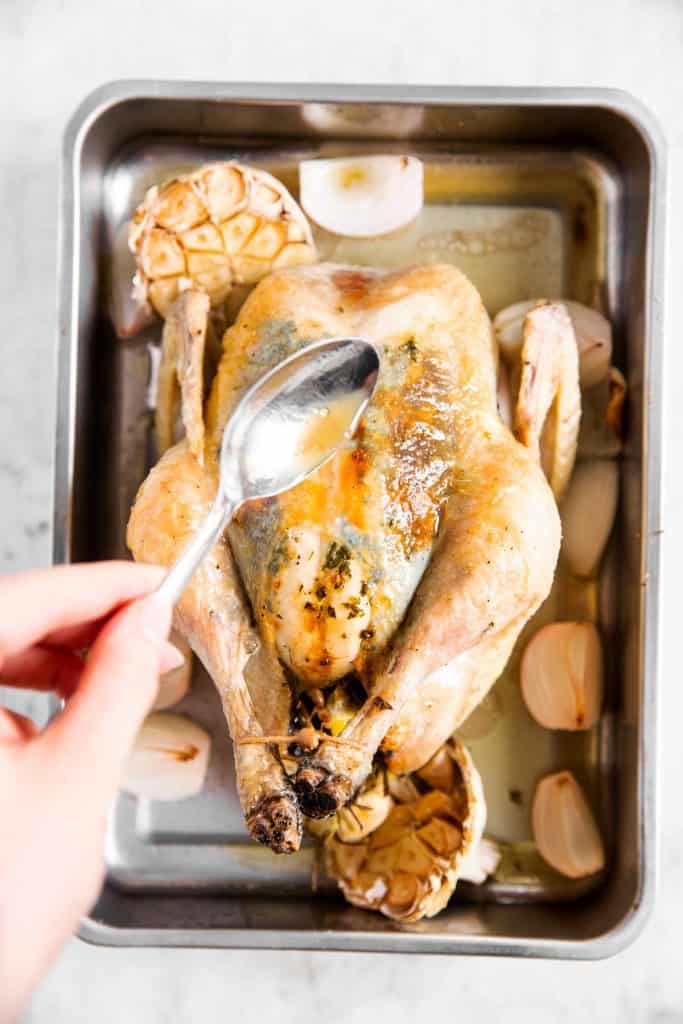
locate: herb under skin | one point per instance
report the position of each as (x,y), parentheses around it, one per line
(353,607)
(337,556)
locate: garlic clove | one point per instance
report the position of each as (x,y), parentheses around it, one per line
(362,196)
(169,758)
(562,676)
(366,813)
(440,771)
(480,862)
(174,685)
(592,330)
(564,828)
(588,510)
(363,815)
(402,788)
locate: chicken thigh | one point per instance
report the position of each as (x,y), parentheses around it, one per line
(409,563)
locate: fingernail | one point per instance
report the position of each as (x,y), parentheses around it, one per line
(171,657)
(153,618)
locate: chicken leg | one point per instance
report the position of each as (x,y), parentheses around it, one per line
(212,612)
(549,372)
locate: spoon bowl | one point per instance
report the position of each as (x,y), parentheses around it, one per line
(287,425)
(295,417)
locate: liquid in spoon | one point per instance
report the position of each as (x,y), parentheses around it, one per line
(332,424)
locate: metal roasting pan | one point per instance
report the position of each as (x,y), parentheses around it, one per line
(531,192)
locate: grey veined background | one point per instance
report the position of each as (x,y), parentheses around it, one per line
(51,54)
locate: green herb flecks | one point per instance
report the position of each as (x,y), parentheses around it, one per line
(337,555)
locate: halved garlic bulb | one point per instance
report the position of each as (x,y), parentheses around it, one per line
(587,511)
(174,685)
(169,758)
(409,866)
(362,196)
(564,828)
(480,862)
(593,336)
(562,675)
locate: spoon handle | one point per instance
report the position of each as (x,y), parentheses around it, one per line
(180,574)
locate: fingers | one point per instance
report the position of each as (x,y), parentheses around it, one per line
(59,671)
(40,603)
(118,685)
(15,727)
(43,668)
(76,637)
(171,658)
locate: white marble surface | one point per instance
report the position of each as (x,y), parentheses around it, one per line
(51,55)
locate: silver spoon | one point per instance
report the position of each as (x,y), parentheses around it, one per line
(284,428)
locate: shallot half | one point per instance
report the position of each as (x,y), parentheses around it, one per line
(169,758)
(362,196)
(564,828)
(562,676)
(588,510)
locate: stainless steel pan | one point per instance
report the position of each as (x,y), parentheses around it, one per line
(530,192)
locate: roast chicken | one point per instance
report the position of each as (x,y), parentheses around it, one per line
(403,570)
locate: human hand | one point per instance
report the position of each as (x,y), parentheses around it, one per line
(56,786)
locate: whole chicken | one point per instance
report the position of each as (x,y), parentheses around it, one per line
(404,568)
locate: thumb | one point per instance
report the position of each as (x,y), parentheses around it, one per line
(118,685)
